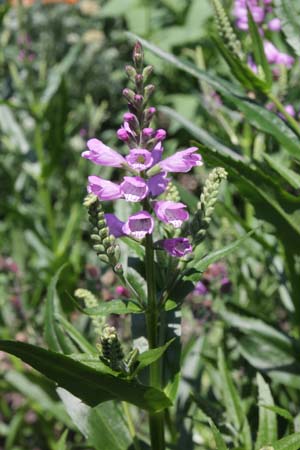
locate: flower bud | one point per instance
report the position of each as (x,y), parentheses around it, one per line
(129,95)
(147,72)
(122,135)
(138,101)
(148,91)
(118,268)
(131,72)
(138,56)
(147,132)
(147,115)
(132,121)
(139,81)
(160,135)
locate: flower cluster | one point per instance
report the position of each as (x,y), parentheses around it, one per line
(262,14)
(146,171)
(215,279)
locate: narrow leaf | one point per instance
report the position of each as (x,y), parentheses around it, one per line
(267,427)
(92,386)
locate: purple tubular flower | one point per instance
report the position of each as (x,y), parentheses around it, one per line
(274,24)
(285,60)
(290,110)
(177,247)
(157,153)
(160,135)
(122,134)
(171,212)
(139,224)
(181,161)
(115,225)
(139,159)
(158,184)
(200,289)
(100,154)
(148,132)
(105,190)
(134,189)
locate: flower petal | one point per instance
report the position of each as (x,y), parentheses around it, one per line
(100,154)
(104,189)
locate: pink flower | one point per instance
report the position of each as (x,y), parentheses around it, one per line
(158,184)
(157,153)
(274,24)
(134,189)
(171,212)
(285,60)
(105,190)
(177,247)
(115,225)
(139,224)
(139,159)
(181,161)
(290,110)
(271,52)
(100,154)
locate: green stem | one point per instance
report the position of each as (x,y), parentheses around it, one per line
(44,192)
(130,424)
(291,121)
(156,421)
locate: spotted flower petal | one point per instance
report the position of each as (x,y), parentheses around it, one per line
(139,224)
(177,247)
(104,189)
(173,213)
(139,159)
(100,154)
(134,189)
(181,161)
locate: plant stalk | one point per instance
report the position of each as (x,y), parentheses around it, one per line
(290,120)
(156,420)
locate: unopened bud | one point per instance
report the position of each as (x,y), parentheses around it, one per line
(148,91)
(160,135)
(122,135)
(147,72)
(129,95)
(131,72)
(138,101)
(147,132)
(147,115)
(138,56)
(118,268)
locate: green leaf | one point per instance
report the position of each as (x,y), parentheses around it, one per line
(241,70)
(267,426)
(150,356)
(263,346)
(289,13)
(200,133)
(291,442)
(31,387)
(61,444)
(54,335)
(258,49)
(137,282)
(279,411)
(92,386)
(103,426)
(202,264)
(57,73)
(287,175)
(233,403)
(115,306)
(257,115)
(75,335)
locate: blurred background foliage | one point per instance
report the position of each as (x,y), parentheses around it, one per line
(62,74)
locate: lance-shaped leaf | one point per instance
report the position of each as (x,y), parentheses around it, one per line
(257,115)
(267,427)
(90,385)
